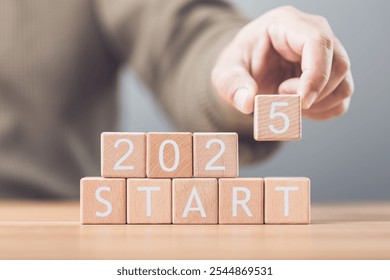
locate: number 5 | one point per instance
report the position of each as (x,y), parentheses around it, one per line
(273,114)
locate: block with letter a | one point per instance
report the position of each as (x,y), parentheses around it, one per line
(103,200)
(149,201)
(287,200)
(195,201)
(241,200)
(277,117)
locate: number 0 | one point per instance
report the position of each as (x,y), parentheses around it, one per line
(273,114)
(161,155)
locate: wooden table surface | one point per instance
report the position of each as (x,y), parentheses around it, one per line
(51,230)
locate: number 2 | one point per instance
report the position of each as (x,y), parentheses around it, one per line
(209,165)
(118,165)
(273,114)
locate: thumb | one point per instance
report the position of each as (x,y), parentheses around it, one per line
(235,85)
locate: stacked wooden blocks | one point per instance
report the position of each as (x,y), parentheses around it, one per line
(193,178)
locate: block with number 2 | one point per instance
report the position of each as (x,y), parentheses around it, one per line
(123,154)
(215,155)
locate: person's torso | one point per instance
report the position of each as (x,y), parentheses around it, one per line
(57,80)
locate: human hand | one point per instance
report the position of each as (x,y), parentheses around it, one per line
(286,51)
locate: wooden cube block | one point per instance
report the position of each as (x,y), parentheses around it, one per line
(195,201)
(169,155)
(102,201)
(277,117)
(123,154)
(241,200)
(287,201)
(215,155)
(149,201)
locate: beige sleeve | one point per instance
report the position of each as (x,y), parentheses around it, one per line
(173,45)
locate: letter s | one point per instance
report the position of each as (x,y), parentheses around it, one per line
(102,200)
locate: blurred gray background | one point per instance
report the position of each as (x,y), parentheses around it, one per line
(347,158)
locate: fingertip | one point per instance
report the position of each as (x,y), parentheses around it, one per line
(310,98)
(243,100)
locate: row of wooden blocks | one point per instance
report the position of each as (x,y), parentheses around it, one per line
(195,201)
(169,155)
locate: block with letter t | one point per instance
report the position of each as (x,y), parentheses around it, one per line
(287,200)
(149,201)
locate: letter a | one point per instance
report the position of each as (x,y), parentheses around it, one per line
(188,208)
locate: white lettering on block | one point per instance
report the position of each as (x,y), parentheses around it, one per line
(148,191)
(242,202)
(188,208)
(161,156)
(102,200)
(286,197)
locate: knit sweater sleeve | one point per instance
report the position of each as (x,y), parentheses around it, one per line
(173,46)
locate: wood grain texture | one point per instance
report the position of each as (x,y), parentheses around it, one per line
(114,146)
(149,201)
(239,188)
(287,200)
(154,162)
(263,121)
(112,191)
(184,192)
(207,147)
(52,230)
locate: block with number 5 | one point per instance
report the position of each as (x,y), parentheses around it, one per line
(123,154)
(215,155)
(277,117)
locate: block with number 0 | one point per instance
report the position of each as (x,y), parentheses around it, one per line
(169,155)
(215,155)
(123,154)
(277,117)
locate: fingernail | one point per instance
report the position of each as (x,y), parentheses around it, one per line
(240,98)
(309,99)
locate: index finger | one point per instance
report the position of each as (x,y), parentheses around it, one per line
(317,56)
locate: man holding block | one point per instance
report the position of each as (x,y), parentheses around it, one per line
(203,60)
